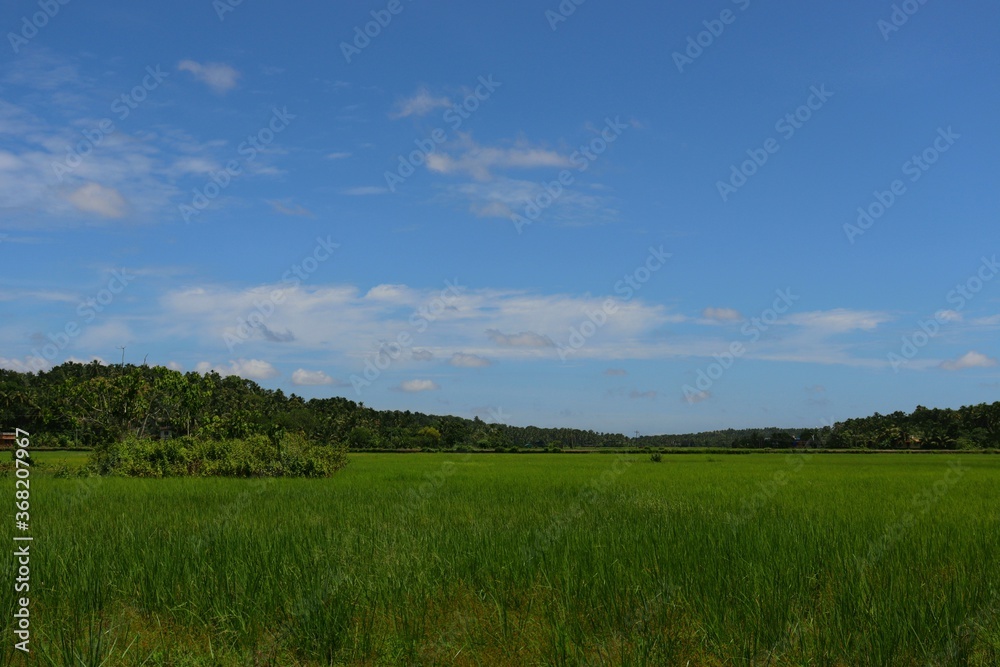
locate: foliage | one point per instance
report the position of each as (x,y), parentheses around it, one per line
(255,456)
(89,404)
(973,427)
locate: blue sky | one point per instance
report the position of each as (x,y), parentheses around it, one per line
(628,216)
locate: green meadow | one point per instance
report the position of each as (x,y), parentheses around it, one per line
(518,559)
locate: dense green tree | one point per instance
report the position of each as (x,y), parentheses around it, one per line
(92,404)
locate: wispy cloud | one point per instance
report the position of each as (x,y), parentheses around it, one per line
(420,103)
(129,175)
(522,339)
(697,397)
(37,295)
(481,161)
(291,209)
(840,320)
(970,359)
(29,364)
(102,201)
(462,360)
(346,325)
(305,378)
(722,314)
(251,369)
(414,386)
(502,197)
(220,77)
(948,316)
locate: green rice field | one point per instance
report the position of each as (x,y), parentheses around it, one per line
(522,559)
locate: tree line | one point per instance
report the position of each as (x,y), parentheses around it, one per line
(88,405)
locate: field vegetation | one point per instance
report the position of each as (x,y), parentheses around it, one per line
(496,559)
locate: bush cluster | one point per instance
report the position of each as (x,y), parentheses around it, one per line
(290,455)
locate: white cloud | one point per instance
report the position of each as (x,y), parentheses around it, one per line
(391,293)
(420,103)
(77,360)
(839,320)
(697,397)
(413,386)
(992,321)
(251,369)
(29,364)
(128,176)
(352,324)
(339,155)
(9,161)
(302,377)
(340,319)
(522,339)
(104,337)
(221,78)
(100,200)
(502,197)
(196,165)
(480,161)
(291,209)
(970,359)
(38,295)
(948,316)
(721,314)
(462,360)
(615,372)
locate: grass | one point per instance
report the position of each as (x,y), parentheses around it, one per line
(451,559)
(56,457)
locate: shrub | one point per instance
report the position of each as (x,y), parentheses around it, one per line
(292,455)
(656,457)
(45,439)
